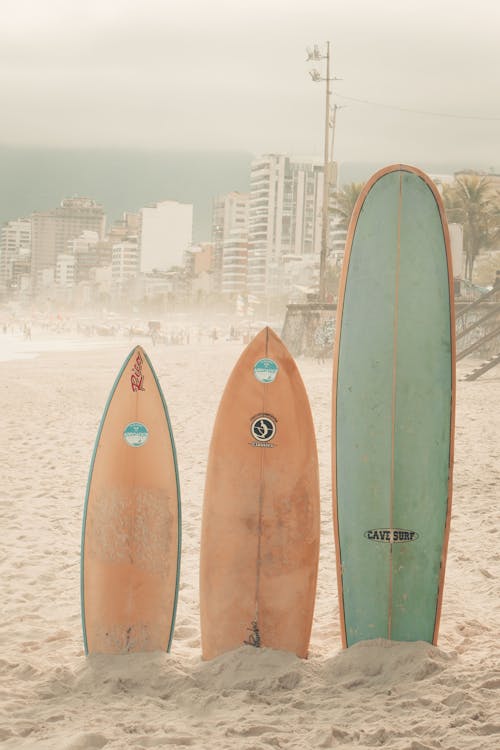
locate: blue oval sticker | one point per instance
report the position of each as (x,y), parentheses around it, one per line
(265,370)
(135,434)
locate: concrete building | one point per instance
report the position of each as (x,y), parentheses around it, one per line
(123,229)
(15,251)
(21,278)
(235,264)
(286,199)
(198,263)
(125,261)
(84,249)
(165,233)
(65,270)
(229,220)
(338,237)
(199,258)
(52,230)
(300,276)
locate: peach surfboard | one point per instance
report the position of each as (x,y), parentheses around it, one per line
(260,528)
(131,526)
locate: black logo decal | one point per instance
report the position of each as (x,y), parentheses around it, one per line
(263,428)
(254,637)
(391,536)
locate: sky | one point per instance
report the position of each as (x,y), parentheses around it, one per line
(419,80)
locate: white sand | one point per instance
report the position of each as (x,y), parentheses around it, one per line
(401,696)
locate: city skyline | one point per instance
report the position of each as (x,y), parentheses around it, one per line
(418,80)
(125,181)
(263,242)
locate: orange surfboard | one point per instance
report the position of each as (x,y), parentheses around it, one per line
(260,530)
(131,526)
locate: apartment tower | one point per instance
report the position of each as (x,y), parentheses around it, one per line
(51,231)
(284,220)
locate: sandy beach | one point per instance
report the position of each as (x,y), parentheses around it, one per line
(410,696)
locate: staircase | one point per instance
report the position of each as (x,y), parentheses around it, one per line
(478,343)
(488,365)
(485,313)
(495,309)
(481,300)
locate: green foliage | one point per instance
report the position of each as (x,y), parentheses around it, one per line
(474,202)
(344,202)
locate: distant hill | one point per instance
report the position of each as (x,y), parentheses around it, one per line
(38,179)
(361,172)
(34,179)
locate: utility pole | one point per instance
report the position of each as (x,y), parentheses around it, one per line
(326,186)
(334,121)
(316,55)
(299,317)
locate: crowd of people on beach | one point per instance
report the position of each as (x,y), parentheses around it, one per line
(177,333)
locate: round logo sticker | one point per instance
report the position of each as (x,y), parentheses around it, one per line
(135,434)
(263,428)
(265,370)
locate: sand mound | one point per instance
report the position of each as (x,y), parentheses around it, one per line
(377,694)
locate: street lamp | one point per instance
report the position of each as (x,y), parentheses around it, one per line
(316,55)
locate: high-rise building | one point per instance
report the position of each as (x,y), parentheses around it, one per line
(229,225)
(125,261)
(199,259)
(286,198)
(85,252)
(165,233)
(235,264)
(65,273)
(52,230)
(126,228)
(15,249)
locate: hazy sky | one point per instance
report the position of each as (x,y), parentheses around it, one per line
(215,74)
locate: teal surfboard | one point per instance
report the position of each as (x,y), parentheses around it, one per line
(393,411)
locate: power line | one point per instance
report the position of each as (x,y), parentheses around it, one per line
(417,111)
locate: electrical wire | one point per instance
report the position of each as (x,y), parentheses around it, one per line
(417,111)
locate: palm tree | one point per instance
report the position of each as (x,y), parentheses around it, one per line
(344,202)
(341,207)
(473,202)
(495,220)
